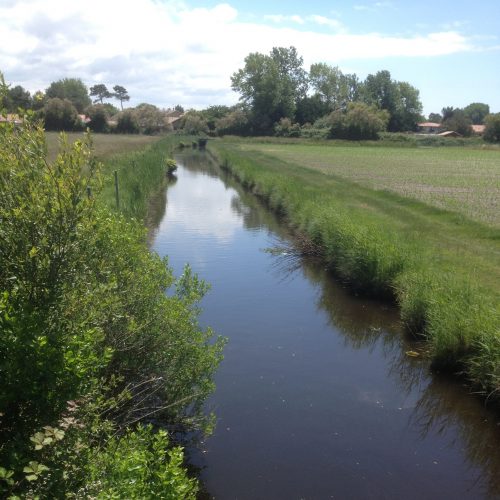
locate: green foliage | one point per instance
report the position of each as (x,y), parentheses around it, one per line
(359,122)
(270,85)
(85,316)
(477,112)
(311,108)
(193,123)
(286,128)
(459,122)
(72,89)
(18,98)
(121,94)
(400,99)
(234,123)
(137,466)
(492,130)
(60,114)
(334,88)
(149,119)
(127,123)
(214,113)
(101,92)
(98,118)
(435,117)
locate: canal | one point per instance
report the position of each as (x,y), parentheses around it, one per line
(317,396)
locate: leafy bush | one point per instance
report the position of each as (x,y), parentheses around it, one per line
(60,114)
(85,316)
(234,123)
(98,118)
(360,122)
(127,123)
(285,128)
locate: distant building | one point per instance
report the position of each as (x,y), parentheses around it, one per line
(449,133)
(173,118)
(11,118)
(429,128)
(478,129)
(84,119)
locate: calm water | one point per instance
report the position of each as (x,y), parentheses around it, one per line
(315,397)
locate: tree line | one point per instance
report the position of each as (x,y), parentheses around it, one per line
(277,97)
(64,102)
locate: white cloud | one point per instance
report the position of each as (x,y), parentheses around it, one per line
(280,18)
(326,21)
(167,53)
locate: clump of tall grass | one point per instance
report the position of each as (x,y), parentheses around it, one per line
(140,175)
(437,300)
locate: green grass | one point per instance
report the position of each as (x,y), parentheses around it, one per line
(442,268)
(105,145)
(463,180)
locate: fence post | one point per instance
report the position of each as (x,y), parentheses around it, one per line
(117,193)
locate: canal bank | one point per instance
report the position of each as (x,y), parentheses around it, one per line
(316,397)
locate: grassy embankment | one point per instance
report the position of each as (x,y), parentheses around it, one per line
(138,159)
(378,215)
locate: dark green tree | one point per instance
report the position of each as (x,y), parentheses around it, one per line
(98,118)
(492,130)
(127,123)
(100,92)
(400,99)
(477,112)
(310,108)
(60,114)
(72,89)
(121,94)
(18,98)
(435,118)
(214,113)
(447,112)
(408,108)
(270,85)
(458,122)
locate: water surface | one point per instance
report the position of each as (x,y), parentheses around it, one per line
(316,397)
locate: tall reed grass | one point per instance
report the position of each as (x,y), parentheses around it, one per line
(140,175)
(438,298)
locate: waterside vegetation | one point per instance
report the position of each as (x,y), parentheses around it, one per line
(440,267)
(94,350)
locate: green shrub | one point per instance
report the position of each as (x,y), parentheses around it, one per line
(86,317)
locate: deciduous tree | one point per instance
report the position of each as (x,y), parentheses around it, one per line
(270,85)
(72,89)
(60,114)
(334,88)
(492,130)
(477,112)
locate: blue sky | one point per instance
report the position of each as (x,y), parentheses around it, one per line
(173,51)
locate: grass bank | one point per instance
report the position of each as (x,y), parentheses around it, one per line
(442,268)
(140,173)
(103,145)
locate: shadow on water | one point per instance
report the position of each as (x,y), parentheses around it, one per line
(438,407)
